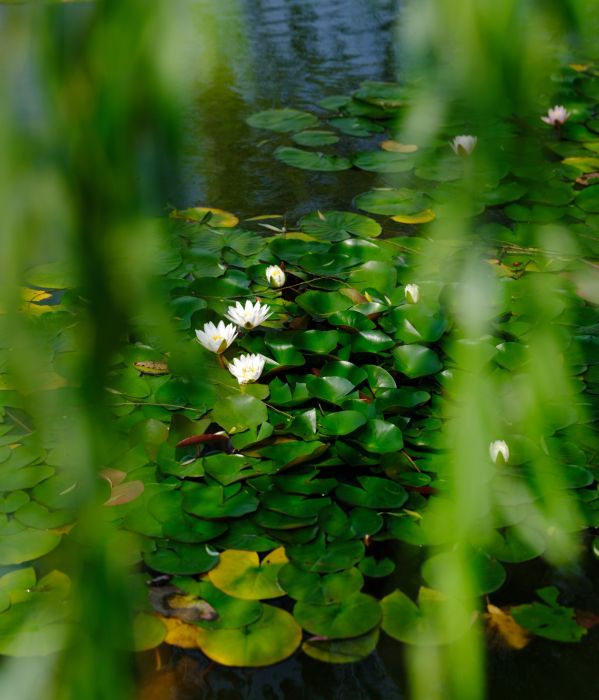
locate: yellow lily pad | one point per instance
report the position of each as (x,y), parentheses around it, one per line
(397,147)
(421,217)
(210,215)
(242,575)
(268,640)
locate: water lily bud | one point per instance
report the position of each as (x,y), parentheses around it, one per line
(412,292)
(275,276)
(247,368)
(248,316)
(463,145)
(217,338)
(556,116)
(499,451)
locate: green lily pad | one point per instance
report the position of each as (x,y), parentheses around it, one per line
(292,453)
(381,94)
(339,225)
(237,413)
(322,342)
(342,368)
(322,558)
(304,483)
(310,160)
(319,303)
(314,588)
(371,341)
(167,508)
(374,492)
(392,202)
(181,559)
(384,162)
(315,138)
(372,568)
(351,617)
(342,651)
(332,389)
(425,623)
(334,102)
(551,620)
(356,126)
(32,514)
(282,120)
(341,423)
(24,478)
(293,504)
(488,574)
(218,501)
(26,545)
(232,612)
(416,360)
(380,436)
(588,199)
(241,574)
(148,632)
(517,544)
(39,624)
(268,640)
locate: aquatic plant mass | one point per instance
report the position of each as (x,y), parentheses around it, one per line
(284,450)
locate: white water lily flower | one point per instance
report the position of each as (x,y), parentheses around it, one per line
(248,316)
(463,145)
(556,116)
(275,276)
(217,338)
(412,292)
(247,368)
(499,447)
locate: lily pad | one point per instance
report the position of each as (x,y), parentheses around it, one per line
(26,545)
(315,138)
(310,160)
(374,492)
(356,126)
(487,572)
(350,617)
(237,413)
(242,575)
(332,389)
(181,559)
(324,558)
(282,120)
(342,651)
(272,638)
(338,225)
(425,623)
(341,423)
(392,202)
(314,588)
(384,162)
(380,436)
(416,361)
(549,619)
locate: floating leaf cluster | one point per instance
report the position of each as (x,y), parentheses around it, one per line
(292,489)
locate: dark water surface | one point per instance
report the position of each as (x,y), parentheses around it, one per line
(279,53)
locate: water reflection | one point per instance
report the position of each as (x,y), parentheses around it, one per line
(277,52)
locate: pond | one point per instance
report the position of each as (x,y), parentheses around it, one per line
(324,466)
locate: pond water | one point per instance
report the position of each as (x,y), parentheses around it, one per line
(286,53)
(279,53)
